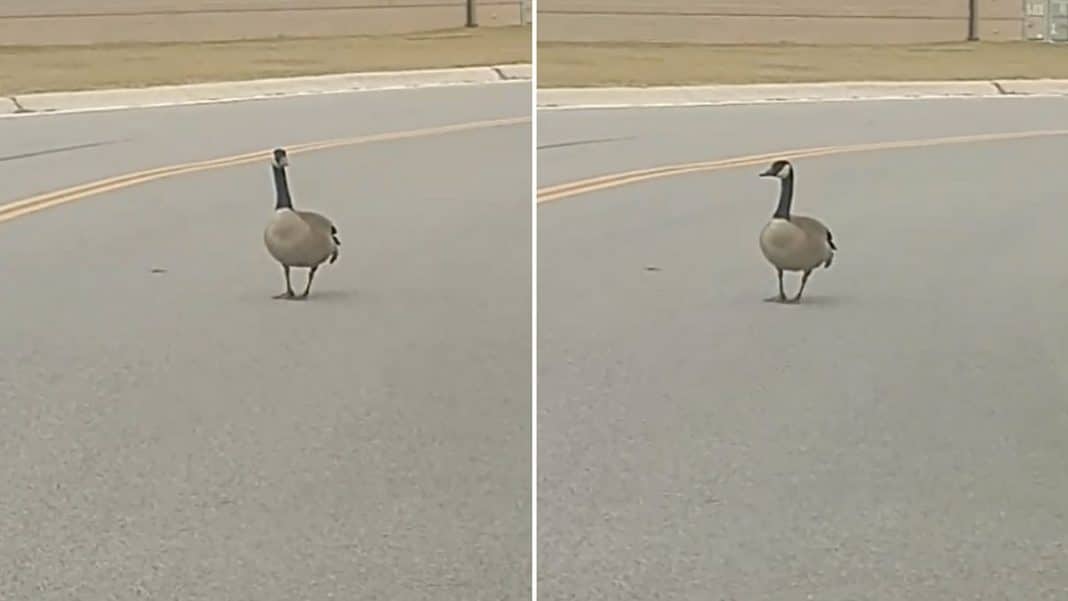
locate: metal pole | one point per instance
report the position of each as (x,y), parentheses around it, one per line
(472,14)
(973,20)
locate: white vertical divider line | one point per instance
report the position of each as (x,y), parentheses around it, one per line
(534,302)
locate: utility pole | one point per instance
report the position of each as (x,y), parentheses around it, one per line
(973,20)
(472,14)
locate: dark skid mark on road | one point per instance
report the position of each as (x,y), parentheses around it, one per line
(583,142)
(27,155)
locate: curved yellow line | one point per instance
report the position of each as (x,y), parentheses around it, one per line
(40,202)
(615,180)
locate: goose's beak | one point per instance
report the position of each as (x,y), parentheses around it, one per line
(767,173)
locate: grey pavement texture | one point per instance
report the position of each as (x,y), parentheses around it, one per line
(898,435)
(583,143)
(168,431)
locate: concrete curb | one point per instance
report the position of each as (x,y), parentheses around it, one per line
(516,72)
(716,95)
(92,100)
(1033,87)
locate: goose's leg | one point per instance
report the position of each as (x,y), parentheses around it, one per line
(804,280)
(307,288)
(289,287)
(781,297)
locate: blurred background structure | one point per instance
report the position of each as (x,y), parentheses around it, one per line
(801,21)
(49,22)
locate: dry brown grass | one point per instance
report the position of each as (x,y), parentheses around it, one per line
(55,68)
(624,64)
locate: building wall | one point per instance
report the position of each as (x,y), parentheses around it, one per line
(39,22)
(771,21)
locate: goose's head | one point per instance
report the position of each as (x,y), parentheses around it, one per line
(779,169)
(280,158)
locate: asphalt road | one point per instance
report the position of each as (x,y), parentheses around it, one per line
(898,435)
(168,431)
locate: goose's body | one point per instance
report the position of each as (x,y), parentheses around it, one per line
(794,242)
(297,238)
(300,238)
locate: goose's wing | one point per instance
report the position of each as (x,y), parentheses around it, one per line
(318,222)
(816,229)
(321,224)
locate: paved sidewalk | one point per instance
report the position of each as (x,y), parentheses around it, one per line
(805,92)
(263,88)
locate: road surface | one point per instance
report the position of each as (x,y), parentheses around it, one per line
(168,431)
(898,435)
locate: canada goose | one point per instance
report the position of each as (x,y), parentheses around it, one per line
(297,238)
(792,242)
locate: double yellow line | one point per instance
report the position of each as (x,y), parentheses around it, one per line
(41,202)
(615,180)
(33,204)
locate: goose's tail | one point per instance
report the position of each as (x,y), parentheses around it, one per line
(337,243)
(830,256)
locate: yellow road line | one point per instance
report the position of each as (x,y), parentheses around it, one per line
(614,180)
(40,202)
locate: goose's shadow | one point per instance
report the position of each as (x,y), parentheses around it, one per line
(817,301)
(329,296)
(333,294)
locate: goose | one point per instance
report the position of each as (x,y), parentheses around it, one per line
(297,238)
(793,242)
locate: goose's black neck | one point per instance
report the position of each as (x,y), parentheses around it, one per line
(281,186)
(786,197)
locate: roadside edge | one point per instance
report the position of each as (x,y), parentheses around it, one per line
(234,91)
(718,95)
